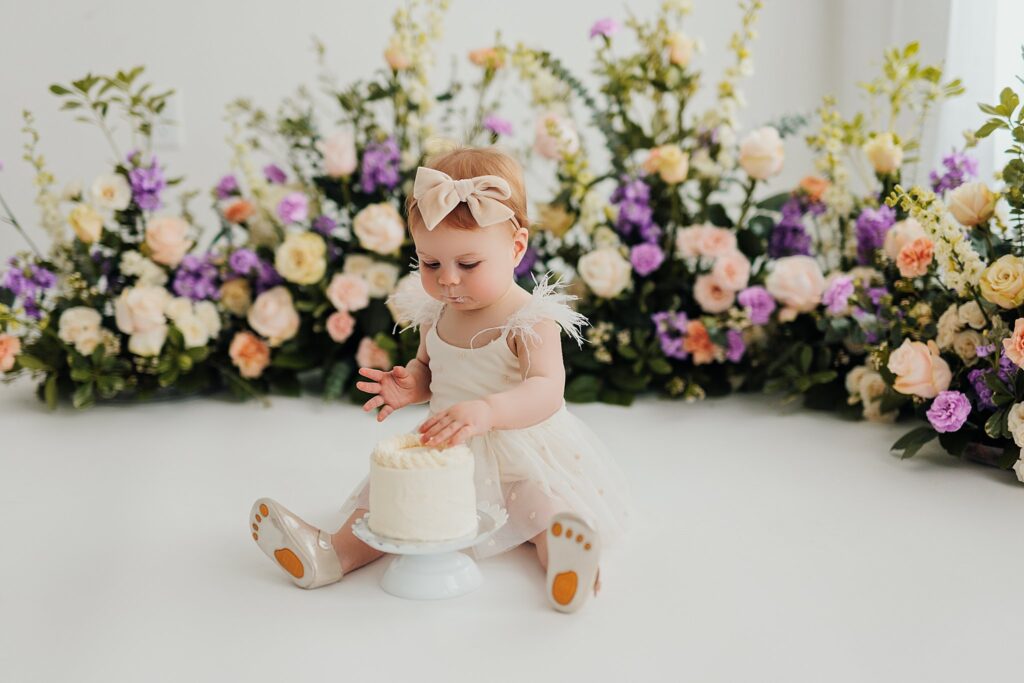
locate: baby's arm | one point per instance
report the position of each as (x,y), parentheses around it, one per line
(537,398)
(401,386)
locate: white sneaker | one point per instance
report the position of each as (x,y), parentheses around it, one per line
(574,551)
(301,550)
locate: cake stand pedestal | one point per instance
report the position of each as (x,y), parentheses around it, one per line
(436,570)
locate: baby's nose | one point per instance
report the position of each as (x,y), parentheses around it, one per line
(448,277)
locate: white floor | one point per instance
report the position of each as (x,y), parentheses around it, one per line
(776,546)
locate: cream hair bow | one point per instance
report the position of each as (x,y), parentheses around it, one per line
(436,194)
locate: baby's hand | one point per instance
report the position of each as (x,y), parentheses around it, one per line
(457,424)
(394,389)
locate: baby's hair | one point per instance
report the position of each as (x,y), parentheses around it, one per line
(470,162)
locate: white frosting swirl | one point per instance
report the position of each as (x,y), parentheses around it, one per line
(405,452)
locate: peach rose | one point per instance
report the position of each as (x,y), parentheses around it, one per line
(10,347)
(814,187)
(1014,345)
(919,369)
(348,292)
(899,235)
(797,283)
(273,315)
(340,325)
(698,343)
(239,211)
(732,271)
(396,56)
(167,239)
(680,48)
(972,203)
(379,228)
(249,354)
(487,58)
(370,355)
(716,242)
(711,295)
(915,257)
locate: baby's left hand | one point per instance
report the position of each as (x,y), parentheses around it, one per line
(457,424)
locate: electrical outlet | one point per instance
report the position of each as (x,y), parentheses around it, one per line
(169,132)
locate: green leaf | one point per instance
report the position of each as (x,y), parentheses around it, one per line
(995,425)
(59,90)
(83,396)
(911,442)
(334,381)
(1008,100)
(775,202)
(583,389)
(30,362)
(659,366)
(50,391)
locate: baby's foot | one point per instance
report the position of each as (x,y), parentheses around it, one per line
(573,553)
(303,551)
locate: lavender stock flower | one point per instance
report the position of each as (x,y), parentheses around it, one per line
(196,278)
(958,168)
(671,330)
(227,186)
(871,228)
(274,174)
(380,166)
(498,125)
(147,183)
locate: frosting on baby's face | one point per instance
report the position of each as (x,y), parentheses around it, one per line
(469,269)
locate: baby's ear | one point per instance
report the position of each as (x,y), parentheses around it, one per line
(520,241)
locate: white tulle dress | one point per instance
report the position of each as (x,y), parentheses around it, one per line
(554,466)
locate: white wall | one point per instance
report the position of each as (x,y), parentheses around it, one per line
(212,52)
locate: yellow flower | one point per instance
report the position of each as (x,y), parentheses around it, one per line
(301,258)
(555,219)
(86,222)
(1002,283)
(668,161)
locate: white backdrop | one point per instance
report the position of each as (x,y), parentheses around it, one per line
(212,52)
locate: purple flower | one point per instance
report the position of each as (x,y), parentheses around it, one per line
(734,353)
(324,225)
(759,304)
(526,265)
(606,27)
(274,174)
(635,215)
(646,258)
(837,295)
(267,277)
(197,278)
(985,350)
(872,226)
(671,329)
(227,186)
(958,168)
(981,388)
(949,411)
(243,261)
(1007,369)
(498,125)
(147,184)
(294,208)
(380,166)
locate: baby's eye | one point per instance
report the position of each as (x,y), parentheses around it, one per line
(470,266)
(431,266)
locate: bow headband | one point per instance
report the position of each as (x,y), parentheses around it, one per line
(437,194)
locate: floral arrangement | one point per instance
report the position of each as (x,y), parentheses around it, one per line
(107,312)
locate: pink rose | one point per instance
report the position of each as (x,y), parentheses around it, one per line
(249,354)
(1014,346)
(349,292)
(705,240)
(339,152)
(711,295)
(370,355)
(732,271)
(919,369)
(797,283)
(273,315)
(167,239)
(340,325)
(10,347)
(555,135)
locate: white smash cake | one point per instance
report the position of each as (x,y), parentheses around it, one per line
(419,493)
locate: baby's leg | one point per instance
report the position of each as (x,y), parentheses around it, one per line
(352,553)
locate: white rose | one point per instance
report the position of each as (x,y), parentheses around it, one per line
(555,135)
(971,314)
(80,326)
(972,203)
(1015,422)
(145,271)
(148,343)
(382,278)
(762,153)
(193,331)
(948,327)
(872,388)
(853,380)
(966,344)
(273,315)
(302,258)
(797,283)
(111,192)
(208,314)
(358,264)
(379,228)
(606,238)
(901,234)
(883,153)
(178,308)
(1018,469)
(141,309)
(339,152)
(167,239)
(605,271)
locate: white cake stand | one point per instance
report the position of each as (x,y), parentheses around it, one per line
(432,571)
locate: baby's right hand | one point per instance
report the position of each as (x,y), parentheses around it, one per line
(394,389)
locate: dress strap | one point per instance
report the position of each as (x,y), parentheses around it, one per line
(411,306)
(548,302)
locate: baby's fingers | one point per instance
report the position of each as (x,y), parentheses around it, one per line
(374,402)
(372,373)
(384,412)
(443,434)
(439,423)
(461,436)
(368,387)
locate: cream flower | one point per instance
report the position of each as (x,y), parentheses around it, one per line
(86,223)
(382,278)
(80,327)
(302,258)
(148,343)
(141,309)
(111,192)
(972,203)
(797,283)
(379,228)
(339,152)
(971,314)
(948,327)
(680,48)
(605,271)
(348,292)
(167,239)
(884,153)
(236,296)
(1015,423)
(1002,283)
(273,315)
(358,264)
(762,153)
(209,316)
(965,345)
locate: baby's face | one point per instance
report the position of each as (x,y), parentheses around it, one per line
(469,269)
